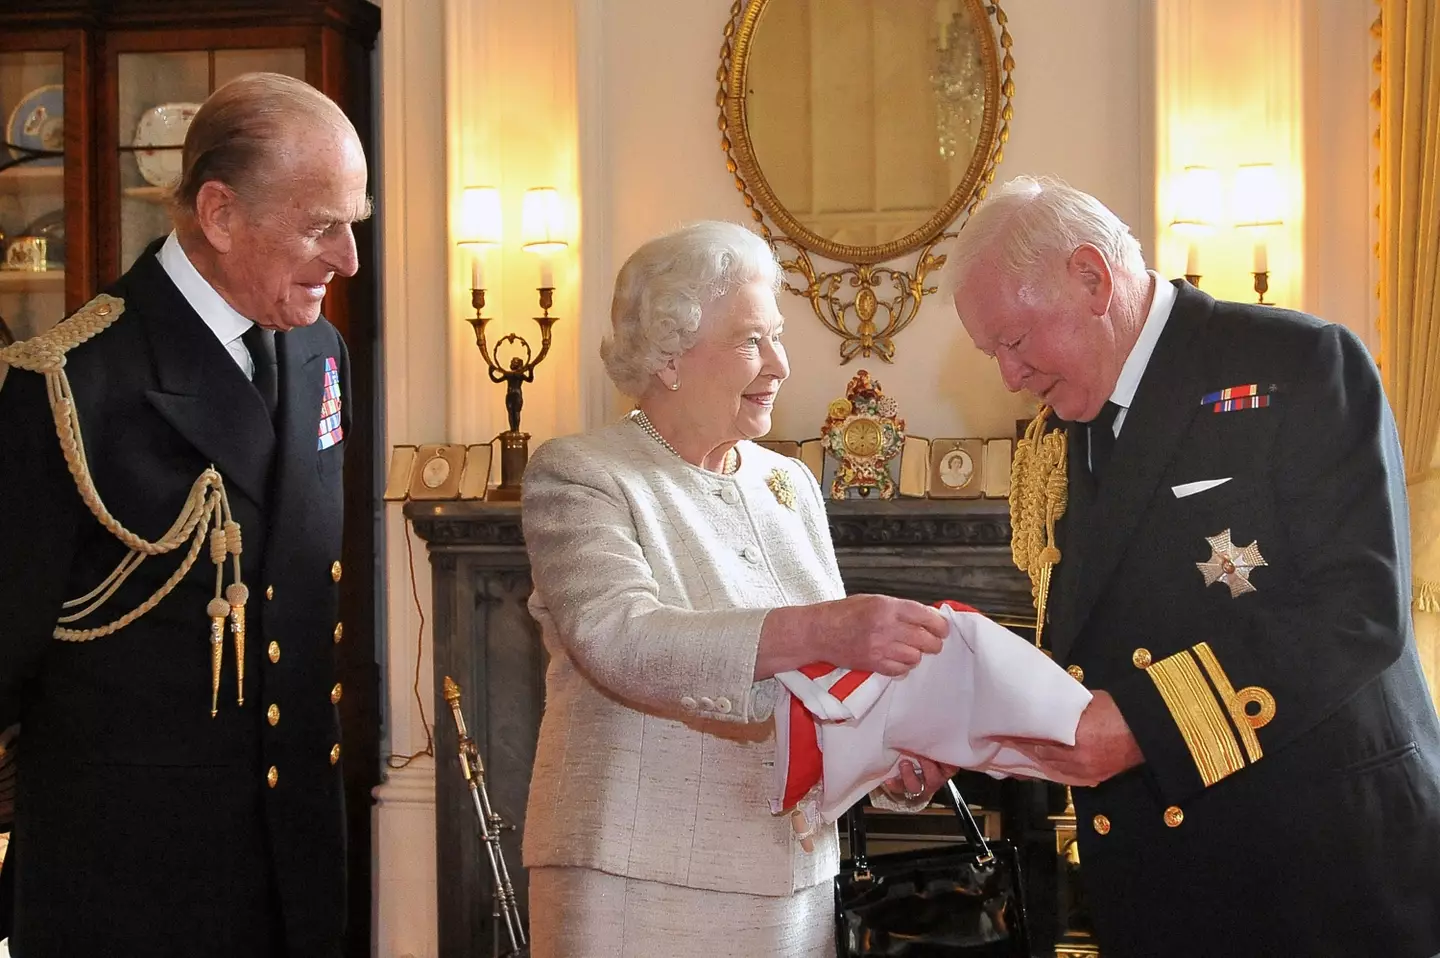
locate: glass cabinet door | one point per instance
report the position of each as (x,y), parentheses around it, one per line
(32,193)
(158,95)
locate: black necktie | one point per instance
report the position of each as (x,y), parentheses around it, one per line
(261,344)
(1102,438)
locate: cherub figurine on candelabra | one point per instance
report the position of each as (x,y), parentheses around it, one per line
(514,448)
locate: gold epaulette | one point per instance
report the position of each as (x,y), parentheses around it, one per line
(1038,496)
(204,519)
(46,353)
(1214,720)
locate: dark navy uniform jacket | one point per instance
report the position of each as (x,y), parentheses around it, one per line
(1289,802)
(143,825)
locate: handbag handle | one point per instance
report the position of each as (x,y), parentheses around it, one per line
(855,819)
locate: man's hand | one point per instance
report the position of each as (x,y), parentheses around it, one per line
(1104,747)
(918,781)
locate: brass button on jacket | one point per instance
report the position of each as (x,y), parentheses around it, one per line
(272,714)
(339,631)
(1174,816)
(1141,658)
(1076,672)
(269,592)
(273,651)
(272,777)
(336,571)
(334,753)
(1101,824)
(335,693)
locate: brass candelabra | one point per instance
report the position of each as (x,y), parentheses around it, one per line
(514,373)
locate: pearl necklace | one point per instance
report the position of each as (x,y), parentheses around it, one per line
(732,459)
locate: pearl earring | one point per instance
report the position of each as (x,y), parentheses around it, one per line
(675,385)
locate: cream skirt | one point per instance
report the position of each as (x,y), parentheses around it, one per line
(584,913)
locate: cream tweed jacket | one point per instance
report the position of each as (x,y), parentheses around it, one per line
(652,579)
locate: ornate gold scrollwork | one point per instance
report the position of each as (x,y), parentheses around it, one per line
(881,292)
(865,304)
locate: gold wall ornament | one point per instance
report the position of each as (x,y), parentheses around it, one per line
(863,433)
(885,300)
(1038,498)
(888,216)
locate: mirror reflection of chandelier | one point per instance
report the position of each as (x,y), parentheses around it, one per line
(958,80)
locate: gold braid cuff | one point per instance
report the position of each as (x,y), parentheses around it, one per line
(1038,496)
(1201,710)
(206,508)
(1237,703)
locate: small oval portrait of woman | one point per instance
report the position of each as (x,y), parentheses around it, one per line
(957,468)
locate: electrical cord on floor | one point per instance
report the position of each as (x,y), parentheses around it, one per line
(395,760)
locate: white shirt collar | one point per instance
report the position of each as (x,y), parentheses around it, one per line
(227,324)
(1155,320)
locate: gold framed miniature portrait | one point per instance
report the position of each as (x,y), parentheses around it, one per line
(437,472)
(957,468)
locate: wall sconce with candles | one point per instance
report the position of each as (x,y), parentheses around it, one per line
(1257,207)
(542,226)
(1197,210)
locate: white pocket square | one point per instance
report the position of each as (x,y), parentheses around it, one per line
(1190,488)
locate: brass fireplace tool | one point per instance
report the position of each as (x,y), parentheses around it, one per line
(505,903)
(514,444)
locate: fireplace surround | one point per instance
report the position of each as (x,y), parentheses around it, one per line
(485,639)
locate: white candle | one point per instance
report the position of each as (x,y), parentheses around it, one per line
(1192,259)
(547,273)
(477,270)
(1262,261)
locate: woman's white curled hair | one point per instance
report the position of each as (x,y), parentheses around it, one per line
(663,289)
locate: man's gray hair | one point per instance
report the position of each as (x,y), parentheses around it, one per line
(664,288)
(1029,220)
(241,135)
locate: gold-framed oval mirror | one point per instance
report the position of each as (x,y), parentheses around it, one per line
(864,128)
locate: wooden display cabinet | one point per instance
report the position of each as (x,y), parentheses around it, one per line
(119,71)
(44,196)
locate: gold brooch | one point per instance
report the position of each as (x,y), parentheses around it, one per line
(1230,564)
(780,484)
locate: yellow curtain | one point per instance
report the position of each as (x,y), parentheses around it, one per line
(1409,102)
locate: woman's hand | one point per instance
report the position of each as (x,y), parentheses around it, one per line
(873,633)
(918,781)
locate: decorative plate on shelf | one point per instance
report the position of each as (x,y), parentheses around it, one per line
(163,126)
(38,123)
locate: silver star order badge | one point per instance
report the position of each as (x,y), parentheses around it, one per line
(1230,564)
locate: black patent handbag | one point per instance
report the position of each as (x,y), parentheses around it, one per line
(954,900)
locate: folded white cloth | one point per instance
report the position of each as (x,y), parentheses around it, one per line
(844,732)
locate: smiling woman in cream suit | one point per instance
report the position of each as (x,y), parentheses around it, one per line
(677,567)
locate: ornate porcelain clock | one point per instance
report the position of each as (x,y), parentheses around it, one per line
(863,433)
